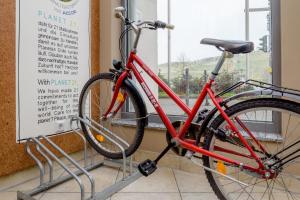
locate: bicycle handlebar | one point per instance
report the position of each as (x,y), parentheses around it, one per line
(152,24)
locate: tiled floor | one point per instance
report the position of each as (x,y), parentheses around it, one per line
(165,184)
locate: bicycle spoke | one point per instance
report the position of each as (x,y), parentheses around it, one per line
(96,100)
(296,127)
(243,180)
(286,132)
(270,190)
(262,122)
(252,187)
(244,189)
(266,189)
(286,187)
(247,186)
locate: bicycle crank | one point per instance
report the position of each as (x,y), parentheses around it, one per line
(191,134)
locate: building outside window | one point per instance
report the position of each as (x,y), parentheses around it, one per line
(184,64)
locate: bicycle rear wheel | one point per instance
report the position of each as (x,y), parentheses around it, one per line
(276,124)
(94,102)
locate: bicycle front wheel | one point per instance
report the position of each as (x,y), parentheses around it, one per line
(275,123)
(94,102)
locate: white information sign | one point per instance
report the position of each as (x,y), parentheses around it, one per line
(52,63)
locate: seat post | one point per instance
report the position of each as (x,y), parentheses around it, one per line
(220,63)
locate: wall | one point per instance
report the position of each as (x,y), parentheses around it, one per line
(12,155)
(110,33)
(290,43)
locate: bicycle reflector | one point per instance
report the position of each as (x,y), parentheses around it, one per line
(221,167)
(120,97)
(100,138)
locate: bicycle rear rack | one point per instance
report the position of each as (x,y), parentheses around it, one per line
(44,152)
(254,88)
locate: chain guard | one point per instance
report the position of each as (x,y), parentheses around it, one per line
(192,133)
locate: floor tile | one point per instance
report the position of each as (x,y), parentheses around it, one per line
(33,183)
(188,166)
(61,196)
(29,178)
(18,177)
(104,177)
(8,195)
(13,196)
(198,196)
(164,184)
(190,182)
(162,180)
(27,185)
(146,196)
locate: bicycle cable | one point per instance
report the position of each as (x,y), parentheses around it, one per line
(124,32)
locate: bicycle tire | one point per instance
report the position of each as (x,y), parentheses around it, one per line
(139,129)
(231,111)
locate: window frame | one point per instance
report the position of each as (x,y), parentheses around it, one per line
(275,55)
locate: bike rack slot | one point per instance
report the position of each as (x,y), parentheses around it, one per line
(42,151)
(49,162)
(108,138)
(38,162)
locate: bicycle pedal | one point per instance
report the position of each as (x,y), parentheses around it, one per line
(147,167)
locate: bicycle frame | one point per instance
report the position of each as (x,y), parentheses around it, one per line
(191,113)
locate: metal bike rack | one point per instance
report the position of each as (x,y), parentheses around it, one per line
(42,151)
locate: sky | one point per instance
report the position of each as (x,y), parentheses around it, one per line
(197,19)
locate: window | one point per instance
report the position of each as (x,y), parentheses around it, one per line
(182,62)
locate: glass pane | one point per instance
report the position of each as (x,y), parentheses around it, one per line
(195,20)
(199,19)
(260,60)
(259,3)
(148,43)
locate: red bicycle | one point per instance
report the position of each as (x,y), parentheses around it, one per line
(249,148)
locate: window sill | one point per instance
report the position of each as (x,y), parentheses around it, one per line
(269,137)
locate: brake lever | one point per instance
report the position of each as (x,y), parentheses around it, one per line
(128,22)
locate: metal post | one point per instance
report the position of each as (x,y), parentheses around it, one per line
(187,88)
(78,180)
(205,79)
(169,43)
(106,136)
(85,145)
(247,35)
(37,161)
(49,162)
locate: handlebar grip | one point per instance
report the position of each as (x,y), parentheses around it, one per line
(170,26)
(160,24)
